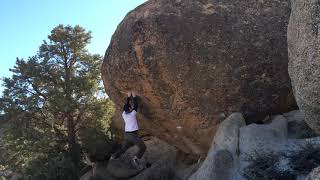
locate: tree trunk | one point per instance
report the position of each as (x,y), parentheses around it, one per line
(74,147)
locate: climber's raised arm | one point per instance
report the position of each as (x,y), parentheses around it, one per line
(128,97)
(135,101)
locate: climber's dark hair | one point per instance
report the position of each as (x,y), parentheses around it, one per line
(126,108)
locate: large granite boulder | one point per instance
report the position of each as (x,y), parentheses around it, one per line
(304,58)
(195,62)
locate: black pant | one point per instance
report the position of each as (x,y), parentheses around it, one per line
(130,139)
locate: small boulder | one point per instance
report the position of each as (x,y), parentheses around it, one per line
(216,166)
(227,135)
(263,137)
(297,127)
(98,172)
(314,174)
(221,158)
(162,159)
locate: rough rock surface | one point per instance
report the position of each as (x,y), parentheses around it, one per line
(297,127)
(256,145)
(220,162)
(161,169)
(99,172)
(314,175)
(160,156)
(193,62)
(183,173)
(263,137)
(304,58)
(227,136)
(217,165)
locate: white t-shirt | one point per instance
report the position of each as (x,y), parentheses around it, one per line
(130,121)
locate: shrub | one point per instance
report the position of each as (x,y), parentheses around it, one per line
(62,168)
(55,167)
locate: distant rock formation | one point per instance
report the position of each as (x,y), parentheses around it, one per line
(304,58)
(194,62)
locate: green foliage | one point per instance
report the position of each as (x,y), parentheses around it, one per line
(61,168)
(53,101)
(95,137)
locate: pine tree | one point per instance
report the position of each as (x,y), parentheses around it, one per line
(54,94)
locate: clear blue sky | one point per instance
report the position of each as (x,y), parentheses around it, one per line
(24,24)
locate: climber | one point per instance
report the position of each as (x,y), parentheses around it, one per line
(131,137)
